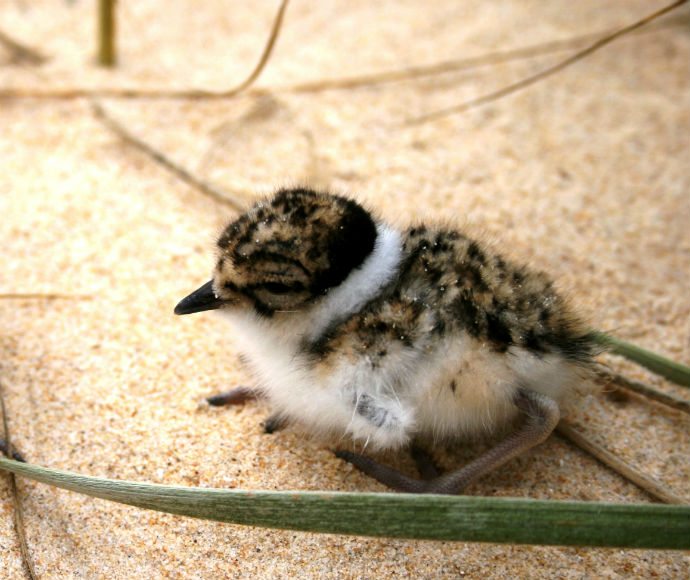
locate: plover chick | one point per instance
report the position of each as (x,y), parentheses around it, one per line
(385,337)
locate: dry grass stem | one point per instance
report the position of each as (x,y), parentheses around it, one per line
(645,482)
(44,296)
(319,85)
(268,49)
(175,168)
(606,375)
(20,54)
(521,84)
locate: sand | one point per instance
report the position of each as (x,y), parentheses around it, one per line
(584,175)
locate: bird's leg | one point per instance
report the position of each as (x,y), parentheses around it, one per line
(275,423)
(240,395)
(234,397)
(541,416)
(387,475)
(425,465)
(5,451)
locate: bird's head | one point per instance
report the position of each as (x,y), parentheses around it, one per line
(286,253)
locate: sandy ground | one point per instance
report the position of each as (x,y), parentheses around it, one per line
(584,175)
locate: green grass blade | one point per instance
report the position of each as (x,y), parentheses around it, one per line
(673,371)
(433,517)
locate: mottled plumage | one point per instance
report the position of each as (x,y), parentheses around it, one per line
(358,330)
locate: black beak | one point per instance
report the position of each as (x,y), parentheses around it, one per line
(202,299)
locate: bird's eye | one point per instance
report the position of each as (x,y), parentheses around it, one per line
(277,288)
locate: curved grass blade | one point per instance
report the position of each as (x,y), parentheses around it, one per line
(432,517)
(673,371)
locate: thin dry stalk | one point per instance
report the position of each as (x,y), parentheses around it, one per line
(319,85)
(159,157)
(645,482)
(268,49)
(521,84)
(107,55)
(608,376)
(175,168)
(21,54)
(44,296)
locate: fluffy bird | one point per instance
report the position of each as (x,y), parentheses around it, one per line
(390,337)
